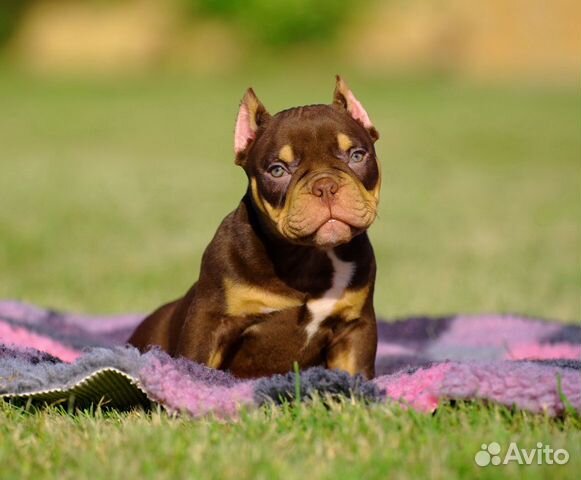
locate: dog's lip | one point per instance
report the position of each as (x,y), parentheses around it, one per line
(333,219)
(308,239)
(333,232)
(354,230)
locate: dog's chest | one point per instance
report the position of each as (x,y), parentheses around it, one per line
(270,306)
(283,331)
(325,306)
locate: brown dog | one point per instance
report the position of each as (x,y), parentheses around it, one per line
(289,275)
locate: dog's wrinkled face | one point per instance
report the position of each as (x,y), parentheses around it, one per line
(313,171)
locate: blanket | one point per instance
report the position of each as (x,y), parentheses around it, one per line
(48,356)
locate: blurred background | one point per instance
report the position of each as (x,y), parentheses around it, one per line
(497,39)
(116,161)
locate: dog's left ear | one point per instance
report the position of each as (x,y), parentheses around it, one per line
(344,97)
(251,116)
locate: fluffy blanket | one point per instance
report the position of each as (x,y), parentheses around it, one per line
(48,356)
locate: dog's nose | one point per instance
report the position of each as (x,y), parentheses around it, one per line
(325,187)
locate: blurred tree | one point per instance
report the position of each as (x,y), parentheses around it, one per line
(11,11)
(280,22)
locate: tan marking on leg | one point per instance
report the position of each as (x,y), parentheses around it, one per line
(351,304)
(343,360)
(253,328)
(345,143)
(215,359)
(286,155)
(244,299)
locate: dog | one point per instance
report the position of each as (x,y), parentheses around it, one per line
(289,275)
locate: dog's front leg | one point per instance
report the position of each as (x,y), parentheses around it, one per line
(210,341)
(353,350)
(225,338)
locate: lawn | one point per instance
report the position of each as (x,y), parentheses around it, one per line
(110,190)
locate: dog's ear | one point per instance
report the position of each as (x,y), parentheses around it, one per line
(344,98)
(251,116)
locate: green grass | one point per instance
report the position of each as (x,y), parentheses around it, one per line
(347,441)
(109,192)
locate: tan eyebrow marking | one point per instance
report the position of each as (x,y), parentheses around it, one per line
(286,154)
(345,143)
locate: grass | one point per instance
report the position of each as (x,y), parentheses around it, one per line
(109,192)
(347,441)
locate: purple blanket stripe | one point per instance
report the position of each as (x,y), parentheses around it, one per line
(507,359)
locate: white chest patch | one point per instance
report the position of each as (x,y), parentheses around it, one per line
(321,308)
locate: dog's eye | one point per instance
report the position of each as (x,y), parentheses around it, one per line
(357,155)
(277,170)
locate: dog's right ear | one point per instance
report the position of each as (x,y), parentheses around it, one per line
(344,97)
(251,116)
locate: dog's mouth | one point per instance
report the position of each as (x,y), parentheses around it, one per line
(333,232)
(329,220)
(327,226)
(333,228)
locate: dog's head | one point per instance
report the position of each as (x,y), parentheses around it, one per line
(313,171)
